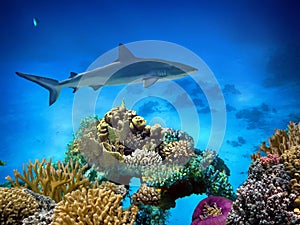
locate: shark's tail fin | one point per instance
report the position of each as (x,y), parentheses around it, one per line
(51,84)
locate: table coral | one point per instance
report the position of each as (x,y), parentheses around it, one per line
(212,210)
(43,178)
(93,206)
(15,205)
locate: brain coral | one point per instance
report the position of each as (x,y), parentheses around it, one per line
(93,206)
(15,205)
(146,195)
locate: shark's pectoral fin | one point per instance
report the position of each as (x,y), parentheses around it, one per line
(96,87)
(75,89)
(149,81)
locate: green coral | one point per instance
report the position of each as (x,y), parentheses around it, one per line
(165,175)
(2,163)
(151,215)
(218,184)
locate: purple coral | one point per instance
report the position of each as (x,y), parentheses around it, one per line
(203,216)
(264,198)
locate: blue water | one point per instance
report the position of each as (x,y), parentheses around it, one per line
(252,48)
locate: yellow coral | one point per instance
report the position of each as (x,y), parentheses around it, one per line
(15,205)
(43,178)
(93,206)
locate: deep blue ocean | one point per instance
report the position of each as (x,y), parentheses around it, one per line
(251,48)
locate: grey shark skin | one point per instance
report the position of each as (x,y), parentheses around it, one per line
(127,69)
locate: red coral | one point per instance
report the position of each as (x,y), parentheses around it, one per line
(270,159)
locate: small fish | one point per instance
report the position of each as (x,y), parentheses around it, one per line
(35,21)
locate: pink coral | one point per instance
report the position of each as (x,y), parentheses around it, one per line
(270,159)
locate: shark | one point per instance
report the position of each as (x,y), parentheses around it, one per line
(126,69)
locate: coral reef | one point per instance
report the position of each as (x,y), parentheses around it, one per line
(291,160)
(93,206)
(179,152)
(286,145)
(217,183)
(151,215)
(116,148)
(15,205)
(212,210)
(43,178)
(141,160)
(270,159)
(264,198)
(282,140)
(146,195)
(117,189)
(44,214)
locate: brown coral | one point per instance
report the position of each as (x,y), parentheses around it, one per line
(15,205)
(117,189)
(43,178)
(291,160)
(138,123)
(146,195)
(93,206)
(178,152)
(282,140)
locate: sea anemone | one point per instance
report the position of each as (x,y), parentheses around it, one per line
(212,210)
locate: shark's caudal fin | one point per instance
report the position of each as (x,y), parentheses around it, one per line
(51,84)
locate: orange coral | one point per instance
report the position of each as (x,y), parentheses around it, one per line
(43,178)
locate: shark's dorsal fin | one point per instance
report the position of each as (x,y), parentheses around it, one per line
(125,55)
(72,74)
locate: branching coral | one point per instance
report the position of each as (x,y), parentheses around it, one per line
(282,140)
(15,205)
(44,178)
(93,206)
